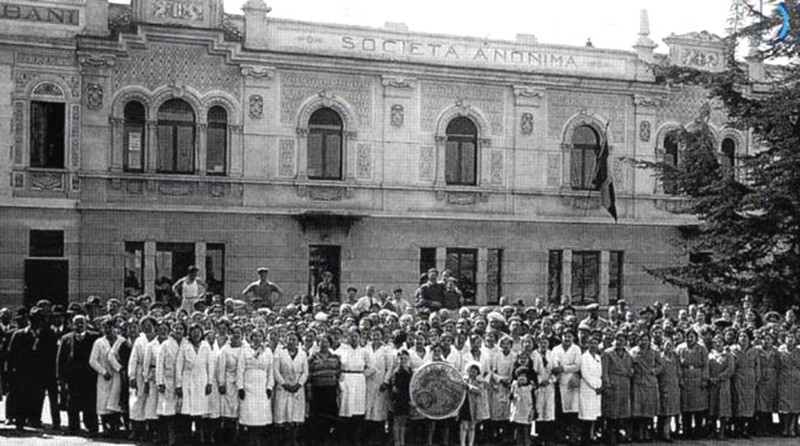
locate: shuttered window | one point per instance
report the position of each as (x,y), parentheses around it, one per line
(585,147)
(325,145)
(133,137)
(461,158)
(217,141)
(176,137)
(47,134)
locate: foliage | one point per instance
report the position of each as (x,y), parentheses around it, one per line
(748,221)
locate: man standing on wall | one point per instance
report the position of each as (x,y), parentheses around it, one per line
(261,291)
(189,289)
(430,294)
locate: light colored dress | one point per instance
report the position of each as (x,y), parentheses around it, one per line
(353,384)
(380,372)
(546,392)
(570,361)
(590,403)
(194,371)
(255,375)
(214,398)
(227,364)
(290,407)
(500,395)
(150,358)
(521,403)
(137,401)
(103,360)
(167,375)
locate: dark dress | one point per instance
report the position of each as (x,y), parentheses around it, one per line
(125,351)
(323,379)
(401,394)
(767,387)
(669,390)
(744,381)
(720,371)
(23,376)
(74,370)
(617,374)
(789,380)
(694,373)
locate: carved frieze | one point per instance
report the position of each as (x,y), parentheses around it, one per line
(397,115)
(319,193)
(19,130)
(50,60)
(50,181)
(175,188)
(48,89)
(75,136)
(286,158)
(24,78)
(17,180)
(462,198)
(397,81)
(563,105)
(256,106)
(526,123)
(74,183)
(426,163)
(436,97)
(364,162)
(258,72)
(164,63)
(297,87)
(618,174)
(96,61)
(94,96)
(647,101)
(135,187)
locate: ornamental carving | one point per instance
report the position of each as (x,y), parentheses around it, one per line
(526,124)
(325,193)
(496,167)
(45,59)
(94,96)
(526,91)
(175,188)
(426,163)
(19,130)
(353,96)
(52,181)
(286,158)
(96,61)
(18,180)
(364,162)
(48,89)
(553,169)
(647,101)
(256,106)
(644,131)
(75,136)
(258,72)
(397,82)
(397,115)
(696,58)
(23,79)
(472,100)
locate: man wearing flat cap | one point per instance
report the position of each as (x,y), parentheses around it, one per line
(593,320)
(431,293)
(260,293)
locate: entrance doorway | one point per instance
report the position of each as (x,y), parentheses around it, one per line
(46,279)
(323,258)
(172,262)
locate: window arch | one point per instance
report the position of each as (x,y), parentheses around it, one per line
(728,156)
(176,121)
(325,145)
(461,152)
(585,148)
(671,158)
(217,141)
(133,137)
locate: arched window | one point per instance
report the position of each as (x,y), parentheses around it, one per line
(176,137)
(217,141)
(728,158)
(325,145)
(461,152)
(133,137)
(585,148)
(670,159)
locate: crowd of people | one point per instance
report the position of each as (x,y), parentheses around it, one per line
(330,370)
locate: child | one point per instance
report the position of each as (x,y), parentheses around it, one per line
(401,396)
(522,406)
(475,407)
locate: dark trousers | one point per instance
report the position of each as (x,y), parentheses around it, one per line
(51,390)
(78,402)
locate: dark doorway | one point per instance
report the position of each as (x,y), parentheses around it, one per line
(323,258)
(46,279)
(172,261)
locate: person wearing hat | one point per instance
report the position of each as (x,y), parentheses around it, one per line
(617,373)
(593,318)
(431,293)
(25,374)
(262,291)
(76,377)
(327,291)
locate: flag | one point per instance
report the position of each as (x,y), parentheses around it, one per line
(602,180)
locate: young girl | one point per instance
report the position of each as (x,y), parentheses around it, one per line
(401,400)
(521,406)
(475,408)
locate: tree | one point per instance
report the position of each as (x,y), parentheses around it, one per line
(748,222)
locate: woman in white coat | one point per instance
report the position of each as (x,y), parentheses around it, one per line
(591,388)
(193,373)
(216,337)
(543,363)
(291,374)
(227,365)
(255,380)
(378,377)
(567,357)
(106,363)
(353,384)
(151,385)
(137,373)
(169,393)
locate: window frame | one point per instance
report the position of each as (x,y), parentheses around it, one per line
(126,131)
(37,236)
(729,166)
(620,276)
(582,299)
(64,132)
(671,187)
(175,125)
(555,275)
(325,131)
(131,248)
(225,127)
(459,253)
(580,150)
(494,287)
(461,139)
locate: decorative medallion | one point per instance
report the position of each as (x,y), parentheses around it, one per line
(94,96)
(526,125)
(644,131)
(256,106)
(397,117)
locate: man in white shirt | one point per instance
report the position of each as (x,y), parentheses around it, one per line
(261,291)
(365,303)
(189,289)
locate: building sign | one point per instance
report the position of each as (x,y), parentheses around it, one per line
(164,9)
(293,36)
(45,14)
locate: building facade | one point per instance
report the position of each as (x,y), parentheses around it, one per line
(145,138)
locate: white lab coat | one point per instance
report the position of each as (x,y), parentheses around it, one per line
(380,372)
(193,365)
(255,375)
(353,384)
(546,392)
(590,402)
(150,358)
(227,364)
(137,373)
(290,407)
(167,375)
(214,399)
(103,360)
(570,361)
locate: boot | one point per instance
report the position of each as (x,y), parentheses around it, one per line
(665,430)
(722,428)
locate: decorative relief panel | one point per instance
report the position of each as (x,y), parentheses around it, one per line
(17,180)
(256,106)
(397,115)
(618,168)
(19,130)
(163,64)
(286,158)
(562,105)
(526,124)
(74,183)
(94,96)
(553,169)
(75,136)
(53,181)
(134,187)
(496,167)
(326,193)
(364,162)
(644,131)
(438,96)
(48,89)
(175,188)
(23,78)
(296,87)
(426,164)
(57,60)
(684,106)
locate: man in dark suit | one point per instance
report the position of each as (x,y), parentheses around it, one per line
(75,374)
(24,374)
